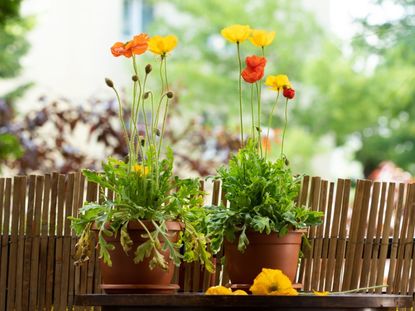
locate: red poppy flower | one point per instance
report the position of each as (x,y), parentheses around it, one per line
(288,93)
(252,76)
(255,61)
(254,70)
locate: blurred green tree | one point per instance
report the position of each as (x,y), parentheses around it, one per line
(204,67)
(370,93)
(13,45)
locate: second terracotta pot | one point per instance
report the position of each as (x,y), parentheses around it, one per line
(127,277)
(264,251)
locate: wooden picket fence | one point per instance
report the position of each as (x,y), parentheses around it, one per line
(367,239)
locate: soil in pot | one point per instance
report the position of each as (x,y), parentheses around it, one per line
(263,251)
(124,276)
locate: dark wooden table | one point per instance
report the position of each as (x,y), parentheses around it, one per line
(200,302)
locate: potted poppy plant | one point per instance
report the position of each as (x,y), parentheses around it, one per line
(262,227)
(152,221)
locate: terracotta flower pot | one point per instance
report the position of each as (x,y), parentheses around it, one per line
(263,251)
(127,277)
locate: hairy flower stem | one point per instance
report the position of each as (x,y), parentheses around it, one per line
(285,127)
(135,112)
(166,109)
(161,94)
(270,120)
(252,112)
(258,93)
(121,116)
(240,94)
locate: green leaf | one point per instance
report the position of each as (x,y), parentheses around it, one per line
(243,241)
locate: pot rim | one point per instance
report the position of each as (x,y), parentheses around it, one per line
(134,225)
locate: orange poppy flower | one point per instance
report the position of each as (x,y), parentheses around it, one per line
(119,49)
(138,45)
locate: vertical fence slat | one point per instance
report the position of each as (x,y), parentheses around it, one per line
(351,245)
(28,238)
(11,280)
(401,244)
(325,252)
(62,183)
(5,243)
(371,230)
(72,238)
(93,197)
(361,233)
(341,246)
(2,182)
(376,244)
(395,239)
(66,245)
(385,236)
(21,245)
(219,268)
(408,241)
(318,244)
(34,265)
(43,259)
(333,235)
(313,201)
(78,268)
(411,281)
(302,201)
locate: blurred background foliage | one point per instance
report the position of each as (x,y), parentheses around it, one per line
(13,45)
(357,96)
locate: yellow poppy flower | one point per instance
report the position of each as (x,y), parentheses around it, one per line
(139,169)
(272,282)
(162,45)
(278,82)
(236,33)
(240,292)
(218,290)
(261,37)
(320,293)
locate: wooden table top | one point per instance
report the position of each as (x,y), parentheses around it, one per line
(201,302)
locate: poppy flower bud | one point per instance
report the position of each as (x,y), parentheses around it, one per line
(288,93)
(142,140)
(134,78)
(109,82)
(157,131)
(146,95)
(169,94)
(258,129)
(148,68)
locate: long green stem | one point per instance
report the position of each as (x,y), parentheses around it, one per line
(135,110)
(161,76)
(354,290)
(166,109)
(147,142)
(165,73)
(240,94)
(258,93)
(252,112)
(121,116)
(285,127)
(270,120)
(161,94)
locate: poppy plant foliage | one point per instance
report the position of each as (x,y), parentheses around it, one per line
(145,189)
(261,192)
